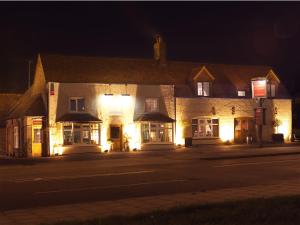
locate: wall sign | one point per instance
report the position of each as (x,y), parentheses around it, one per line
(259,88)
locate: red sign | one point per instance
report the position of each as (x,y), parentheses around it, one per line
(259,88)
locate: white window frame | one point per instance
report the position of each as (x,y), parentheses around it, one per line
(205,124)
(201,86)
(157,105)
(76,102)
(241,93)
(158,129)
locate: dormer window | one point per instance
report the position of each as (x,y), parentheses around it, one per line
(271,88)
(241,93)
(203,88)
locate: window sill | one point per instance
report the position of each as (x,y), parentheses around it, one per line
(158,143)
(205,138)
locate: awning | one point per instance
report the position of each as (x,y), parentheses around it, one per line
(158,117)
(78,117)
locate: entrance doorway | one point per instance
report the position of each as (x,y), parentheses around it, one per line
(244,130)
(116,137)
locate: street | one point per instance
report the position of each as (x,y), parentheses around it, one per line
(97,177)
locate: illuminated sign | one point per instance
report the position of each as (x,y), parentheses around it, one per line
(259,88)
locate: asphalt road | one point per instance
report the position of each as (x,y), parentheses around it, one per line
(96,177)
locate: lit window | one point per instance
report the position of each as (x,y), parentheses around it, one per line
(205,127)
(271,90)
(151,105)
(16,137)
(37,135)
(203,88)
(241,93)
(77,104)
(156,132)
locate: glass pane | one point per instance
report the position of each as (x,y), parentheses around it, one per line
(114,132)
(201,121)
(81,104)
(195,130)
(72,104)
(77,136)
(201,130)
(205,88)
(37,135)
(145,133)
(67,137)
(151,105)
(215,121)
(194,121)
(272,90)
(200,88)
(216,130)
(208,121)
(95,133)
(162,136)
(169,135)
(208,130)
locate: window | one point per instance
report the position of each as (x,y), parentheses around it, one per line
(205,127)
(271,90)
(157,132)
(241,93)
(203,88)
(16,137)
(151,105)
(77,104)
(37,135)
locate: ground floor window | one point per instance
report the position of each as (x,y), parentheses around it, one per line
(205,127)
(157,132)
(37,135)
(16,137)
(81,133)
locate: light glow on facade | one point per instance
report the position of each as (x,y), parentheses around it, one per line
(227,130)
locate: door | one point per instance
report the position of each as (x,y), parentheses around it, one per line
(244,130)
(116,137)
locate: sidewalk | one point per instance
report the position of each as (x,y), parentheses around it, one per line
(134,206)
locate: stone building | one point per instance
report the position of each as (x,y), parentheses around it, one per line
(125,104)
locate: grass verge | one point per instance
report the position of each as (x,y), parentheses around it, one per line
(274,211)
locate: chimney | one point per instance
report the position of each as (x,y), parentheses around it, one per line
(160,51)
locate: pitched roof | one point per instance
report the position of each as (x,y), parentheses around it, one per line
(7,100)
(157,117)
(78,117)
(86,69)
(30,104)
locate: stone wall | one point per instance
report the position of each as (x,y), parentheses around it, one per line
(221,108)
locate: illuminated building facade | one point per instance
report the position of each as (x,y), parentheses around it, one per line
(120,104)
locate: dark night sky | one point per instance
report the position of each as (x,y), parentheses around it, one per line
(221,32)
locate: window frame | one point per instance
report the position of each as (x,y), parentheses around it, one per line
(271,89)
(157,105)
(241,91)
(76,104)
(168,127)
(208,83)
(203,122)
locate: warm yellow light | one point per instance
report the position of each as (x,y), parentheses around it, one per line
(132,133)
(284,129)
(227,131)
(58,150)
(179,140)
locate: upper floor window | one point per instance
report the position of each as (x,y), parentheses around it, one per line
(241,93)
(271,88)
(77,104)
(203,88)
(151,105)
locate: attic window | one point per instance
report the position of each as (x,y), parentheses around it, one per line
(241,93)
(203,88)
(271,88)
